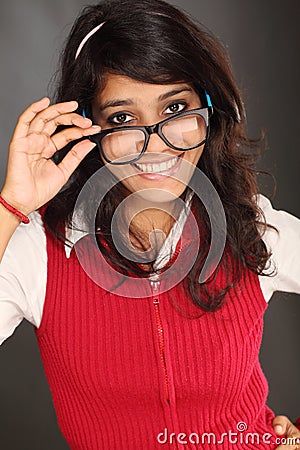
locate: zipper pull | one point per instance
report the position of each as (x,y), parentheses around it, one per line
(154,283)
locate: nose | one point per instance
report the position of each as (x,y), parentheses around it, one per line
(156,144)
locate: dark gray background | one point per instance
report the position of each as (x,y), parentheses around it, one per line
(262,38)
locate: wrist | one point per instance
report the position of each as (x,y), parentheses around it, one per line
(11,209)
(10,198)
(8,217)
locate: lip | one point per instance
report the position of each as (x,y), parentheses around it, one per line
(159,175)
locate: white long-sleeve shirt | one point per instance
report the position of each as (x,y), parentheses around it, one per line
(23,270)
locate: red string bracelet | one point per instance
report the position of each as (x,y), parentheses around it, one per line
(13,210)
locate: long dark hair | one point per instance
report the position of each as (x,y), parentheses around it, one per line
(154,42)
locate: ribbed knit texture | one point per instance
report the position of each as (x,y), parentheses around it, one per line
(109,379)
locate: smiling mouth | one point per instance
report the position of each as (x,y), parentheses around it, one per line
(156,167)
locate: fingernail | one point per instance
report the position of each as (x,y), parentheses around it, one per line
(278,429)
(96,126)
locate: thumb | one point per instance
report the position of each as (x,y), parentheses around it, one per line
(281,425)
(284,427)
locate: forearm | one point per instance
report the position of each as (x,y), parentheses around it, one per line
(8,224)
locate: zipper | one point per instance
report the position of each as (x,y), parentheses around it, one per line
(161,341)
(155,289)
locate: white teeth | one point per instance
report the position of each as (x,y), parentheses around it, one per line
(157,167)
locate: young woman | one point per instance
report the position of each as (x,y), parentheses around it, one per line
(155,253)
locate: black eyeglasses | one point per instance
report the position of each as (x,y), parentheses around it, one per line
(184,131)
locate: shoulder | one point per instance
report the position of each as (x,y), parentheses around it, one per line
(287,225)
(284,245)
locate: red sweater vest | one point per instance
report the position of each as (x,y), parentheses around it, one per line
(136,374)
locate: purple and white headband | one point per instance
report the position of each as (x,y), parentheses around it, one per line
(86,38)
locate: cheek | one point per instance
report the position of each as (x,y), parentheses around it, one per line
(193,156)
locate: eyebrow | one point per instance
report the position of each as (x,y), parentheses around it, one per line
(128,101)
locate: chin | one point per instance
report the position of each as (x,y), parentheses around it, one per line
(158,191)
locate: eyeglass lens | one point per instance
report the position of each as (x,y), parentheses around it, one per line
(184,133)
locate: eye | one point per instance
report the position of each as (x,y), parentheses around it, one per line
(176,107)
(119,119)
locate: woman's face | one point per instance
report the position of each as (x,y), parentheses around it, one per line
(125,101)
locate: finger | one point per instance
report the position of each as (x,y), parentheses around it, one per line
(61,139)
(289,433)
(72,160)
(280,425)
(28,115)
(283,426)
(66,119)
(51,112)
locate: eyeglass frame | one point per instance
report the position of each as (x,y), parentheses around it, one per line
(155,129)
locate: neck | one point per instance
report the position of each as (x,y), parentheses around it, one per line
(151,226)
(153,221)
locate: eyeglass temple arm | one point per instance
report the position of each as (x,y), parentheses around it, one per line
(207,96)
(208,101)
